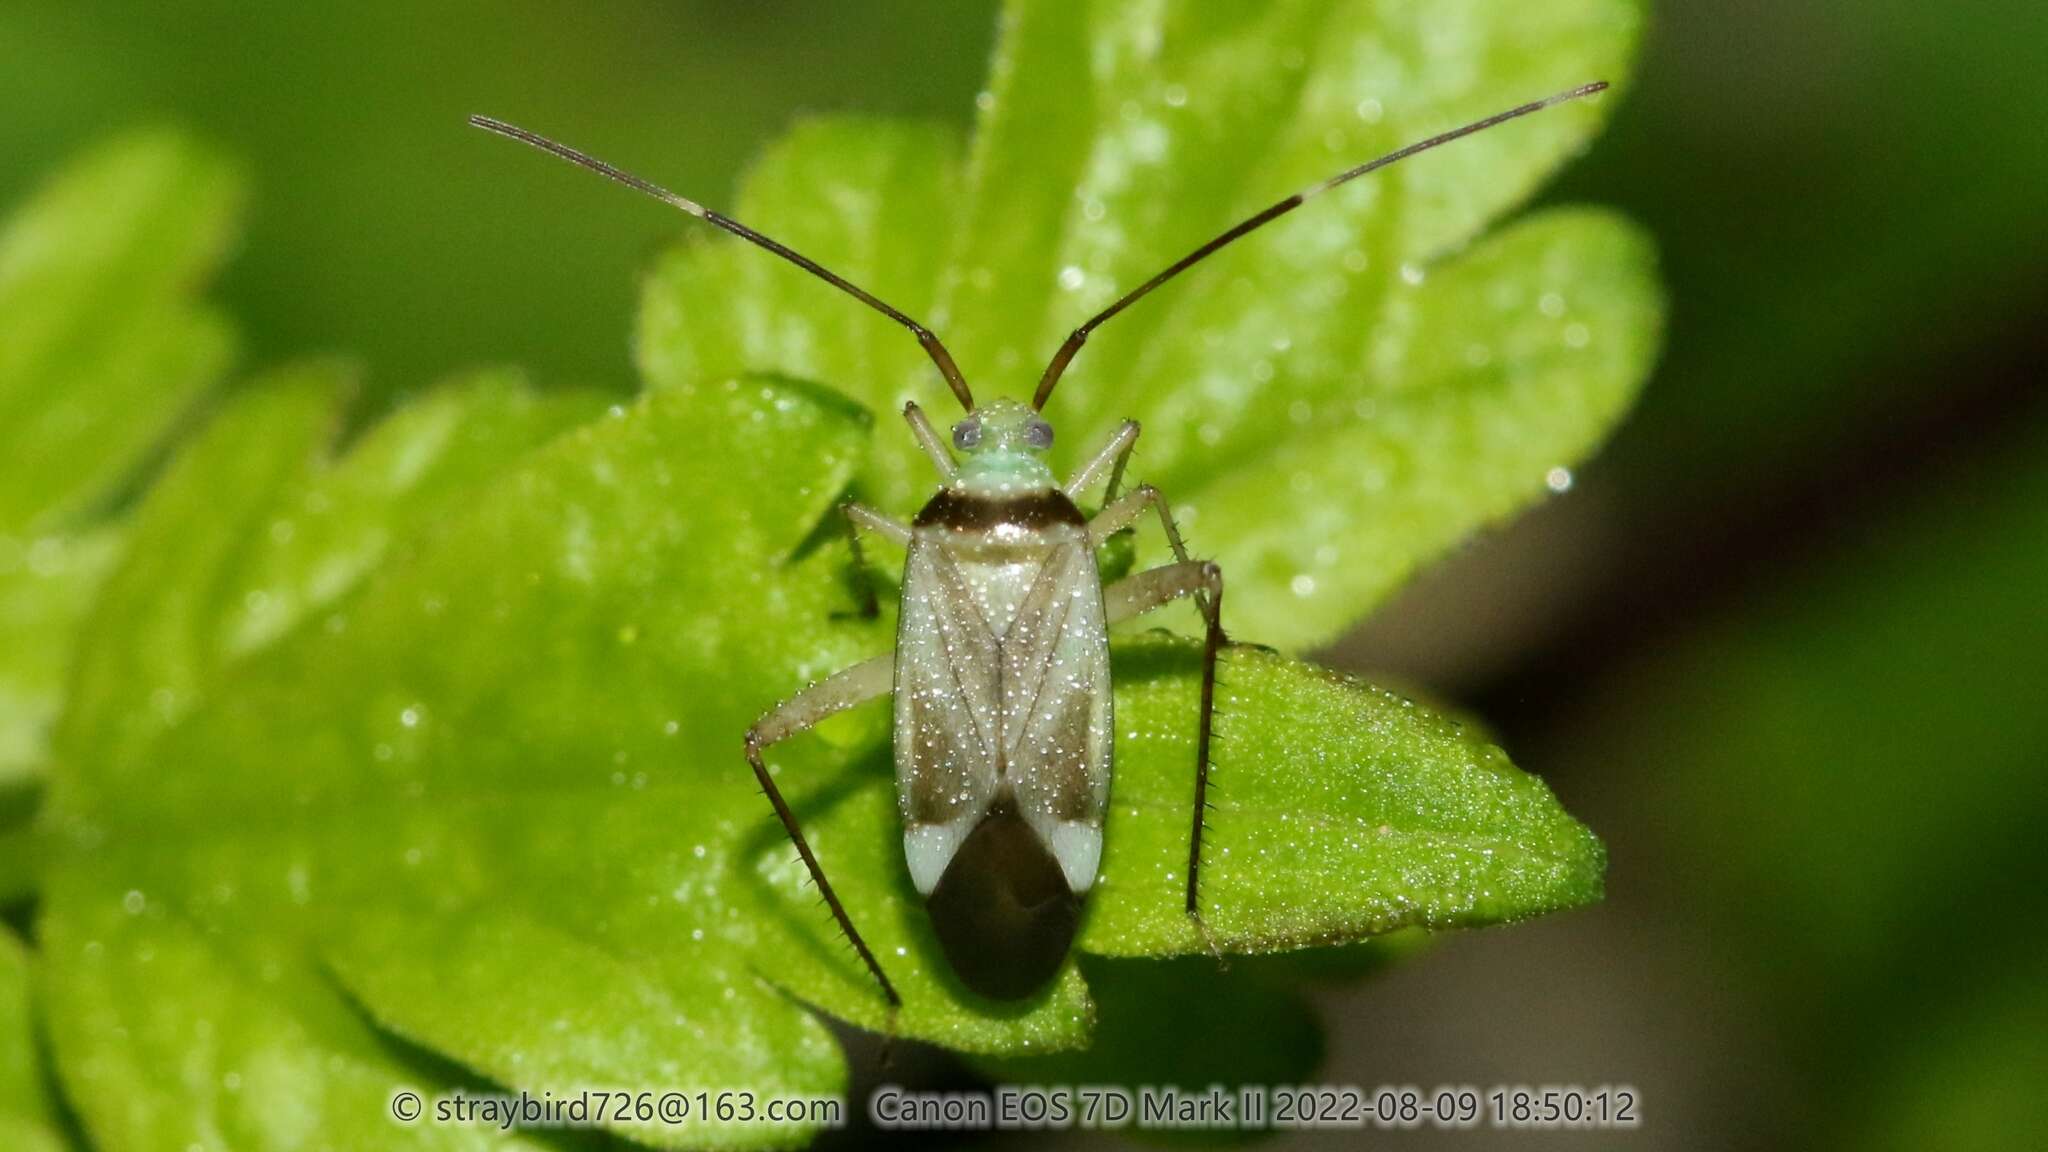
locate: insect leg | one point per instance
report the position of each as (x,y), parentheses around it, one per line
(1141,593)
(1119,515)
(859,516)
(1112,455)
(928,439)
(842,690)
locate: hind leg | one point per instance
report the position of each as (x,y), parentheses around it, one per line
(836,693)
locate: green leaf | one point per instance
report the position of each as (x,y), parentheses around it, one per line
(248,525)
(249,534)
(150,642)
(523,783)
(170,1036)
(1341,811)
(20,850)
(871,199)
(28,1113)
(1393,390)
(1502,369)
(46,588)
(102,351)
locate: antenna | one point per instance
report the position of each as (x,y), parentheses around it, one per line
(1073,343)
(932,347)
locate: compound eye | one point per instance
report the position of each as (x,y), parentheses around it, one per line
(1038,435)
(966,434)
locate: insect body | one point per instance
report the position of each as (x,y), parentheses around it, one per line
(1003,725)
(1001,675)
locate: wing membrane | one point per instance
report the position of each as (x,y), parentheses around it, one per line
(1057,720)
(1024,711)
(948,693)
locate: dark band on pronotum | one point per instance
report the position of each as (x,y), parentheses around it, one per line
(929,342)
(970,512)
(1072,345)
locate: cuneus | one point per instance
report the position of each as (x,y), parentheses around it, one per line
(1004,743)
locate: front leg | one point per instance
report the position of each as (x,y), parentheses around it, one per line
(1111,457)
(836,693)
(1153,588)
(928,439)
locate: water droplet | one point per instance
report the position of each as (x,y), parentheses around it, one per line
(1558,479)
(134,902)
(1369,111)
(1072,278)
(1412,274)
(1551,304)
(1577,335)
(1176,96)
(984,100)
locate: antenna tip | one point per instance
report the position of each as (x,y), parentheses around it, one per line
(1568,95)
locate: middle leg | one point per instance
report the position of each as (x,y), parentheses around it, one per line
(1119,515)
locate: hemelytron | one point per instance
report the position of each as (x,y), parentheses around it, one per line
(1003,733)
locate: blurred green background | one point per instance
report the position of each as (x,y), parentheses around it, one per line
(1785,645)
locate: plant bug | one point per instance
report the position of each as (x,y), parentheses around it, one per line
(1001,675)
